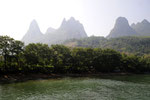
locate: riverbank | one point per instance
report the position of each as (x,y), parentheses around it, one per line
(13,78)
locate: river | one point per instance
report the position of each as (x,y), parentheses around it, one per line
(133,87)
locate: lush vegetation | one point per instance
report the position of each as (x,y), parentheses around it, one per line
(40,58)
(136,45)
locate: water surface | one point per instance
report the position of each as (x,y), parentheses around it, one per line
(135,87)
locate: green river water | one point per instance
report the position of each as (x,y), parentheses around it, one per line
(135,87)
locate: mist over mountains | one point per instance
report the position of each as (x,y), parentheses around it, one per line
(73,29)
(142,28)
(69,29)
(122,28)
(33,34)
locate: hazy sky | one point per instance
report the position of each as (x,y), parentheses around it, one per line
(97,16)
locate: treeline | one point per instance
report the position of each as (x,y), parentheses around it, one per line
(130,44)
(40,58)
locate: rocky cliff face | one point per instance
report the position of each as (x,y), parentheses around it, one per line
(33,34)
(73,28)
(69,29)
(122,28)
(142,28)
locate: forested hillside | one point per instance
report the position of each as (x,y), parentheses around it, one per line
(40,58)
(132,44)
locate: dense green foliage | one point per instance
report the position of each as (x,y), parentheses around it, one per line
(10,52)
(137,45)
(40,58)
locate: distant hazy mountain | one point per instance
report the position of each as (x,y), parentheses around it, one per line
(33,34)
(73,28)
(50,30)
(122,28)
(142,28)
(69,29)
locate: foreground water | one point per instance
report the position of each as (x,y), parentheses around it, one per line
(135,87)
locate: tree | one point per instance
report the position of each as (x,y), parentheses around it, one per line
(107,60)
(61,58)
(134,64)
(81,60)
(10,50)
(5,47)
(37,54)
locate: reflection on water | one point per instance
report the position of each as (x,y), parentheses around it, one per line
(135,87)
